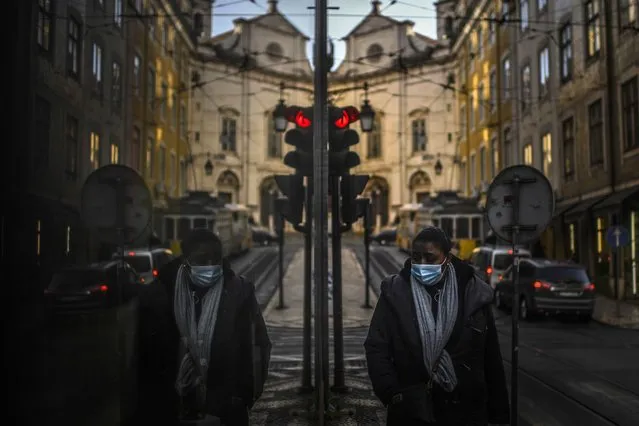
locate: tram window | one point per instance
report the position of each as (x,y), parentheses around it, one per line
(199,223)
(476,222)
(463,230)
(447,226)
(169,228)
(184,227)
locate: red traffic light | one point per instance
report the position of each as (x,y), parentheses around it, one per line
(346,117)
(295,114)
(301,120)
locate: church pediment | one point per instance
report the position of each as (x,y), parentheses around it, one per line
(371,24)
(277,22)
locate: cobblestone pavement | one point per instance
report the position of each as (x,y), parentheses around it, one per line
(281,404)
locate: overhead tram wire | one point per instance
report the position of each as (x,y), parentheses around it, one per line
(349,15)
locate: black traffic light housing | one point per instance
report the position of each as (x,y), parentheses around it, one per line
(340,139)
(351,187)
(301,137)
(292,187)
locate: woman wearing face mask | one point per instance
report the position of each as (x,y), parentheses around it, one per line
(224,346)
(432,348)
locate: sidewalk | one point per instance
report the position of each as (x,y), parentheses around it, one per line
(618,314)
(281,404)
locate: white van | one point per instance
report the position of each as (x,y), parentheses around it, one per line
(491,262)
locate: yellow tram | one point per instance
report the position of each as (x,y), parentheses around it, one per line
(200,210)
(460,218)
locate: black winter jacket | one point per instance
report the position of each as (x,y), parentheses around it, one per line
(232,385)
(395,360)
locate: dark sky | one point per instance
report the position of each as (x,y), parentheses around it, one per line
(340,22)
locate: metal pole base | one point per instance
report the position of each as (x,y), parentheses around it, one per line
(342,389)
(366,306)
(280,307)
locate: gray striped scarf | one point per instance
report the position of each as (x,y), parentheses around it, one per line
(435,334)
(197,336)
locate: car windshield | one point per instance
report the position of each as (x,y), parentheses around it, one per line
(559,274)
(503,261)
(76,279)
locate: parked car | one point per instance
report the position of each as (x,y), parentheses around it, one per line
(385,237)
(147,262)
(263,236)
(548,287)
(78,289)
(490,262)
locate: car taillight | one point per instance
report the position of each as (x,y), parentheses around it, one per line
(155,272)
(589,287)
(101,288)
(541,284)
(489,270)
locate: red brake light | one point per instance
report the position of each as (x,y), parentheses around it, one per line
(343,121)
(131,253)
(301,120)
(541,284)
(510,251)
(489,270)
(104,288)
(155,272)
(589,287)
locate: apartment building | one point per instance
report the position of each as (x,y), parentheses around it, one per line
(482,46)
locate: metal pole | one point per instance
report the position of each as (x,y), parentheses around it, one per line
(339,385)
(307,385)
(280,242)
(515,312)
(612,123)
(367,254)
(320,209)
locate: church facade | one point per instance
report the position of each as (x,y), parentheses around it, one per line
(240,76)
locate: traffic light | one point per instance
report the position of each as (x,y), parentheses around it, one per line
(301,137)
(292,186)
(351,187)
(340,139)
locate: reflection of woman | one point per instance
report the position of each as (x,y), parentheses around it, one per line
(222,331)
(432,348)
(202,310)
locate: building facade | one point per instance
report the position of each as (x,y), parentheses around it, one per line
(161,40)
(83,69)
(597,117)
(482,47)
(408,78)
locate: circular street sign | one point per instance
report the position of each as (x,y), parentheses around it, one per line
(536,202)
(112,193)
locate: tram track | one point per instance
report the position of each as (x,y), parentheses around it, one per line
(261,270)
(383,264)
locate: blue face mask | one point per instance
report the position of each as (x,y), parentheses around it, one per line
(426,274)
(206,276)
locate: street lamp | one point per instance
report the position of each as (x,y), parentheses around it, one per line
(279,114)
(366,113)
(208,166)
